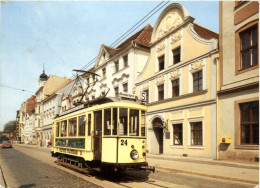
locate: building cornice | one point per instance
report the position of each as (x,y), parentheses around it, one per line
(185,106)
(177,66)
(187,21)
(239,88)
(178,98)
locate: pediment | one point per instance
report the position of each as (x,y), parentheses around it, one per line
(102,56)
(170,21)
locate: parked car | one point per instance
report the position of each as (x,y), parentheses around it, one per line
(6,144)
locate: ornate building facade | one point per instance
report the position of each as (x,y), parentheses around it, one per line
(179,80)
(116,69)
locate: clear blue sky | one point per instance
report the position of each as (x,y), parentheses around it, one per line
(66,35)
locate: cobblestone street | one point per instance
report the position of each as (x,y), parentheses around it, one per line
(21,170)
(29,166)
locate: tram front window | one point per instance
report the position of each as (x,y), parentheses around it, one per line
(114,123)
(107,121)
(123,121)
(143,116)
(134,122)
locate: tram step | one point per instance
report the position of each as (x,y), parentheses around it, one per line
(96,169)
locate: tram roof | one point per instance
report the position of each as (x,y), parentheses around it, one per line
(100,101)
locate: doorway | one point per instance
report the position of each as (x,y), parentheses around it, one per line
(158,130)
(97,135)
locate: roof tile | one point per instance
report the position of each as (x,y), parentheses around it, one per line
(205,33)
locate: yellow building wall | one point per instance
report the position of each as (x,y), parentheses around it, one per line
(197,54)
(192,47)
(185,117)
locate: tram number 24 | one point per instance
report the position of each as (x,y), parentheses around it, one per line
(123,142)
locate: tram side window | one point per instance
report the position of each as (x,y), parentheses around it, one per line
(123,121)
(97,122)
(81,126)
(134,122)
(58,129)
(107,121)
(114,125)
(63,128)
(73,127)
(89,124)
(143,116)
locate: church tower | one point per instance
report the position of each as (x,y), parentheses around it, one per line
(43,78)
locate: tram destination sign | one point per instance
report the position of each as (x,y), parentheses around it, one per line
(72,110)
(127,95)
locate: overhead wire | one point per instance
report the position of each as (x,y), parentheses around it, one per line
(16,88)
(135,25)
(117,41)
(129,31)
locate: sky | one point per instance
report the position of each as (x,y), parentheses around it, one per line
(66,35)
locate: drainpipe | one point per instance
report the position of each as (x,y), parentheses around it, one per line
(218,107)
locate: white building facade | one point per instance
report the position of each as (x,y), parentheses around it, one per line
(116,69)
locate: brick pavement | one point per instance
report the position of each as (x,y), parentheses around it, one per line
(225,170)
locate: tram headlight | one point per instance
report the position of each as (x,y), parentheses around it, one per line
(134,154)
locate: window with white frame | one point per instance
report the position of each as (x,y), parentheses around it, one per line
(177,134)
(161,92)
(147,96)
(125,58)
(175,88)
(176,55)
(197,81)
(196,133)
(116,66)
(161,63)
(125,87)
(104,72)
(116,90)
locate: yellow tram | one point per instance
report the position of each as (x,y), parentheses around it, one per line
(107,134)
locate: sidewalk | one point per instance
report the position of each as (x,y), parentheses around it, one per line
(223,170)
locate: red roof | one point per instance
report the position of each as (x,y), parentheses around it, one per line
(142,37)
(110,51)
(205,33)
(30,104)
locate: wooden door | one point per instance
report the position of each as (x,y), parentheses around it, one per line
(160,131)
(97,135)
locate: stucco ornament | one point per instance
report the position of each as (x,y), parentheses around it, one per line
(176,37)
(102,86)
(197,65)
(160,46)
(92,92)
(77,91)
(174,74)
(160,80)
(123,78)
(145,85)
(170,21)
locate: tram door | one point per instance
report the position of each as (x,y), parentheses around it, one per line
(97,135)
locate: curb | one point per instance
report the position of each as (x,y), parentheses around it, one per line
(2,179)
(208,175)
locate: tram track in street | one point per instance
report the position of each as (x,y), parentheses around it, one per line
(123,179)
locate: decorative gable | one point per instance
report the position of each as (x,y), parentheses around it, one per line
(102,56)
(170,21)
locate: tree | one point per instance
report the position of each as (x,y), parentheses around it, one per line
(2,138)
(10,126)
